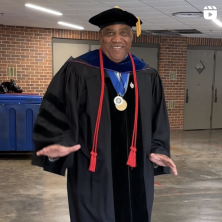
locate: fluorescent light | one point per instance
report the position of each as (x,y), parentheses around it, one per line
(70,25)
(43,9)
(217,22)
(188,14)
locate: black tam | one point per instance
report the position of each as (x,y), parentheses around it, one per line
(114,16)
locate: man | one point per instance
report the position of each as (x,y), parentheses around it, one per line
(112,105)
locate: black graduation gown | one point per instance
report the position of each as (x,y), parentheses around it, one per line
(67,116)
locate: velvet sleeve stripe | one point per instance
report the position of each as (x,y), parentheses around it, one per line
(41,130)
(53,120)
(55,101)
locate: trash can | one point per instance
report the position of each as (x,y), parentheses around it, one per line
(18,113)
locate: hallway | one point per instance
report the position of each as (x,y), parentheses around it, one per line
(28,194)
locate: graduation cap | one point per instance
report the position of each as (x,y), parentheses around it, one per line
(116,16)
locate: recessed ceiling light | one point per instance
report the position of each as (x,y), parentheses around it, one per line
(43,9)
(188,14)
(70,25)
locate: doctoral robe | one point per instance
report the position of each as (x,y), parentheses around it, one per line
(114,192)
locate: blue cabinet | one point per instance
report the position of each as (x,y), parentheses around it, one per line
(17,117)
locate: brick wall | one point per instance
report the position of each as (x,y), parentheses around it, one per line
(31,50)
(173,54)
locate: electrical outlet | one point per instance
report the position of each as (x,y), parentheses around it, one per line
(171,105)
(173,75)
(11,71)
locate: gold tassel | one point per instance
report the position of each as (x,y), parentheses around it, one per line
(138,27)
(118,8)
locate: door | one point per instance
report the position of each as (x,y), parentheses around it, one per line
(94,47)
(148,55)
(198,92)
(217,99)
(62,52)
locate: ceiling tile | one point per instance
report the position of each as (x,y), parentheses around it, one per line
(72,12)
(36,14)
(196,22)
(19,8)
(116,1)
(207,26)
(127,5)
(200,4)
(163,22)
(83,20)
(206,29)
(189,19)
(87,6)
(201,7)
(12,16)
(176,9)
(152,14)
(167,3)
(16,8)
(212,32)
(216,36)
(196,35)
(34,2)
(7,13)
(176,26)
(83,15)
(93,12)
(152,27)
(72,1)
(145,9)
(164,19)
(205,2)
(17,22)
(54,6)
(161,0)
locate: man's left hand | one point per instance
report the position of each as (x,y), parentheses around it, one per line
(163,160)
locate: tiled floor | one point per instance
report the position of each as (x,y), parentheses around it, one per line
(28,194)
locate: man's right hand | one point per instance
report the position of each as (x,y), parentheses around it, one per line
(56,151)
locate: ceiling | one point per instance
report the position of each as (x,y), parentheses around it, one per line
(155,14)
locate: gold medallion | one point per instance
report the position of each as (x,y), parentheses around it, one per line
(123,106)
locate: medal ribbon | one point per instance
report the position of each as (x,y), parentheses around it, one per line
(120,84)
(132,155)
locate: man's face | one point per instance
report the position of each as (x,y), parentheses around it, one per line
(116,41)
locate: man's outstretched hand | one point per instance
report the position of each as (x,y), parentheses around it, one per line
(163,160)
(56,151)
